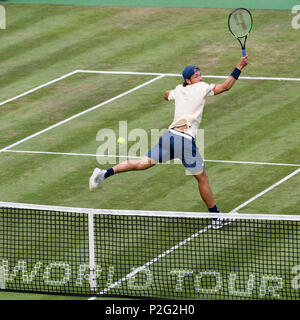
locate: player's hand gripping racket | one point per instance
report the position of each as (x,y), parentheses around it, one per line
(240,24)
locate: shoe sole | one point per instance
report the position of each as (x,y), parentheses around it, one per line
(92,179)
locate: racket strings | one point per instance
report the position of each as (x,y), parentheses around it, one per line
(240,23)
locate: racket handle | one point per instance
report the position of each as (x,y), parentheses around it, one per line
(244,52)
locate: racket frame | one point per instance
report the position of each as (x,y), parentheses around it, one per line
(243,45)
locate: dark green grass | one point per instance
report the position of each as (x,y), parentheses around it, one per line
(255,121)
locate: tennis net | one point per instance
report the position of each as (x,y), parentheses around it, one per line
(146,254)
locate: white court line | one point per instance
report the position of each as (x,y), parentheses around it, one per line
(255,163)
(81,113)
(179,75)
(73,154)
(136,157)
(265,191)
(39,87)
(137,73)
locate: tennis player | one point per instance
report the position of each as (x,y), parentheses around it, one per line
(179,140)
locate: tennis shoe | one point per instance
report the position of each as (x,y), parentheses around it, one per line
(96,178)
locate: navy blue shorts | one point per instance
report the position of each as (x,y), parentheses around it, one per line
(173,146)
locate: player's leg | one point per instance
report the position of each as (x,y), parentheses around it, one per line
(100,175)
(161,152)
(194,163)
(130,165)
(205,191)
(208,198)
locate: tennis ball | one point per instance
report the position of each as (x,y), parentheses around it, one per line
(121,140)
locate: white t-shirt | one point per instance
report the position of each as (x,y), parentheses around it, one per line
(189,104)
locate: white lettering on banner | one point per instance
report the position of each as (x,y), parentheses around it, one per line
(132,280)
(296,279)
(110,276)
(265,286)
(232,286)
(2,278)
(205,282)
(84,274)
(67,274)
(214,274)
(180,277)
(20,267)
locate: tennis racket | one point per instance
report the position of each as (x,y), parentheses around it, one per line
(240,24)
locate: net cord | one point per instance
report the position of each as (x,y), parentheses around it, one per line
(178,214)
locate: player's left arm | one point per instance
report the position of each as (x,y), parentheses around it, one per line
(166,94)
(230,81)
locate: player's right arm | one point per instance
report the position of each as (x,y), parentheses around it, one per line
(230,81)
